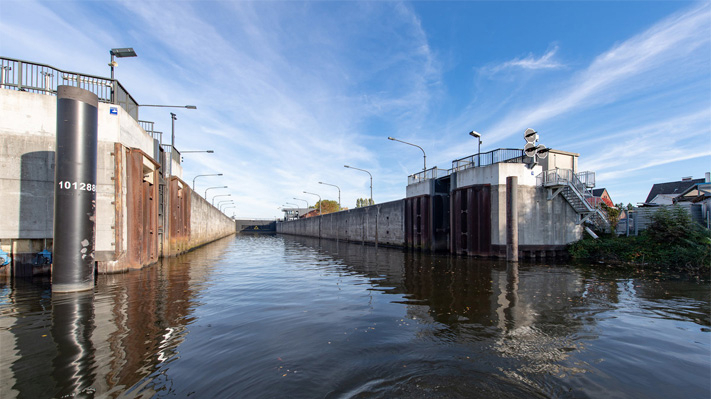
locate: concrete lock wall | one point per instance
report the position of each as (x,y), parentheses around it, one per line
(543,225)
(207,223)
(27,149)
(382,224)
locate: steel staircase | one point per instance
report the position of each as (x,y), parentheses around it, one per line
(575,188)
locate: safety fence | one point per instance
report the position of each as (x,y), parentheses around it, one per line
(40,78)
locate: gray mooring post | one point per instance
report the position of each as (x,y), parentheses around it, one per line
(75,190)
(512,218)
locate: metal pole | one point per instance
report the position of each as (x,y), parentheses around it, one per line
(173,117)
(512,218)
(75,190)
(424,156)
(210,188)
(212,174)
(478,154)
(339,193)
(371,180)
(221,195)
(299,199)
(319,200)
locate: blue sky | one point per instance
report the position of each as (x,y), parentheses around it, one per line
(289,92)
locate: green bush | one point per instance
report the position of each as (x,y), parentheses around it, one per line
(672,239)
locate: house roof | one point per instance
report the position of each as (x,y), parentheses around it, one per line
(673,187)
(695,192)
(597,192)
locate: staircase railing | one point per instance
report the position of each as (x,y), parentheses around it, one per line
(579,186)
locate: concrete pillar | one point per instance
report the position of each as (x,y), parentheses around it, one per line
(512,219)
(75,190)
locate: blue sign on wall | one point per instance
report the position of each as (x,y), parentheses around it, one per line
(114,111)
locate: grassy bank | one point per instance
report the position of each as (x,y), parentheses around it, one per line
(672,241)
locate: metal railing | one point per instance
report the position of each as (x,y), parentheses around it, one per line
(588,178)
(149,128)
(501,155)
(41,78)
(432,173)
(562,177)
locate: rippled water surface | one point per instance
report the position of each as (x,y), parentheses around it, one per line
(277,316)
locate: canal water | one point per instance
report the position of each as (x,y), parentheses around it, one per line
(280,316)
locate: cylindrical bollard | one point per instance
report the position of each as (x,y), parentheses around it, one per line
(512,218)
(75,190)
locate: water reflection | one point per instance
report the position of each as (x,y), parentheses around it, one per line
(111,341)
(290,316)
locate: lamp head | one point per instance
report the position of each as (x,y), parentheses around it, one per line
(391,138)
(219,174)
(210,151)
(190,107)
(123,52)
(474,134)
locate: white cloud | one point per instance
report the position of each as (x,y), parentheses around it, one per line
(545,61)
(617,71)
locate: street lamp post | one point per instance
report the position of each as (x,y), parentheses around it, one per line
(339,192)
(227,206)
(307,202)
(120,53)
(220,195)
(188,152)
(173,117)
(319,200)
(478,154)
(424,156)
(168,106)
(223,202)
(212,174)
(210,188)
(371,181)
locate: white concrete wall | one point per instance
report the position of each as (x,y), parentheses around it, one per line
(496,175)
(425,187)
(557,159)
(540,221)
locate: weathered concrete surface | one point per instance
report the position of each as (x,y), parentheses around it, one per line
(382,224)
(207,223)
(27,146)
(425,187)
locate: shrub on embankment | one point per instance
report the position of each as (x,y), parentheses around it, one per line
(672,240)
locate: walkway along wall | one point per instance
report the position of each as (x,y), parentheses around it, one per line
(132,220)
